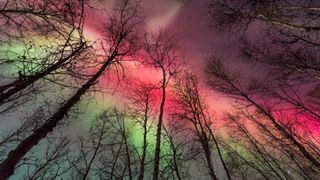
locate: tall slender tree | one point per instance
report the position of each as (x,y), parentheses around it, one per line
(142,108)
(162,56)
(122,39)
(192,110)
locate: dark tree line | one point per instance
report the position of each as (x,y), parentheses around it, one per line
(280,103)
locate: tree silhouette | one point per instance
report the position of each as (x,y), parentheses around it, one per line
(280,130)
(284,91)
(121,29)
(142,109)
(61,23)
(162,55)
(192,110)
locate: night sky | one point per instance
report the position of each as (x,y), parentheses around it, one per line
(245,127)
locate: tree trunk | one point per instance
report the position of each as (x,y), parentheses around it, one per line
(208,159)
(220,156)
(13,158)
(206,148)
(285,133)
(217,146)
(6,91)
(175,161)
(127,150)
(144,150)
(159,128)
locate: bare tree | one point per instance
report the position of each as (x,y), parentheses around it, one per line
(296,145)
(123,41)
(178,156)
(287,51)
(282,14)
(193,111)
(118,159)
(92,146)
(286,94)
(25,126)
(142,109)
(162,55)
(49,160)
(271,154)
(60,23)
(53,162)
(19,18)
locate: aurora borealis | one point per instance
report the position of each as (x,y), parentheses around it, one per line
(159,89)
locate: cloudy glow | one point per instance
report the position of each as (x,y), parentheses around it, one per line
(167,13)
